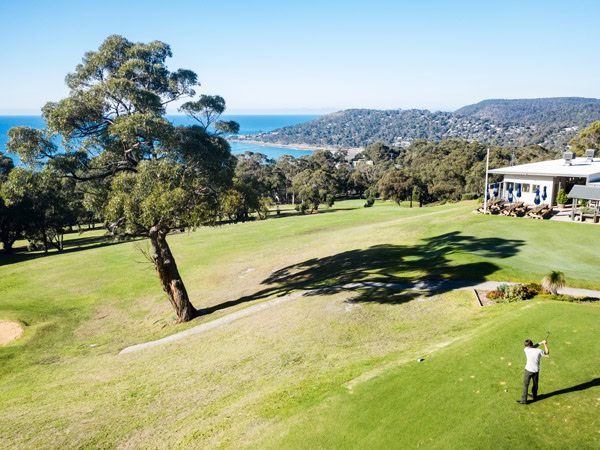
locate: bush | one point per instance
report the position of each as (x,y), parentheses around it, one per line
(494,295)
(534,289)
(502,288)
(264,206)
(562,197)
(480,200)
(516,293)
(370,201)
(508,293)
(468,196)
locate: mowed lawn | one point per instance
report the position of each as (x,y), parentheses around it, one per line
(306,367)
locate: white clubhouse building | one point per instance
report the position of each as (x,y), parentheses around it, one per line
(548,177)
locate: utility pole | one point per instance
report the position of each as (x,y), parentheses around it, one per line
(485,187)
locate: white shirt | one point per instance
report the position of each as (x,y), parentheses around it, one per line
(533,356)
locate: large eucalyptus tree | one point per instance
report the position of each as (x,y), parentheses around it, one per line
(147,176)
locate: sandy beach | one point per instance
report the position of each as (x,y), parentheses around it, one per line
(351,151)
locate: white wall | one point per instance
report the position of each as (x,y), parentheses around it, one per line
(528,197)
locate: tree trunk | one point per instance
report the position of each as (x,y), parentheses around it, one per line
(168,274)
(7,244)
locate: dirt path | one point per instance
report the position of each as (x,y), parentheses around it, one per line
(422,285)
(9,331)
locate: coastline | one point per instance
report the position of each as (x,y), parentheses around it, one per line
(351,151)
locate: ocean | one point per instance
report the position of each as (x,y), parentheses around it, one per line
(249,124)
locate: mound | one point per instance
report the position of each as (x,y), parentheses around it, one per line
(9,331)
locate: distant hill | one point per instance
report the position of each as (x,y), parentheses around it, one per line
(572,111)
(550,122)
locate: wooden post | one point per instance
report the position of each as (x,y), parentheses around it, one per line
(573,206)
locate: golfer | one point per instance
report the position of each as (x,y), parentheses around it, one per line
(532,368)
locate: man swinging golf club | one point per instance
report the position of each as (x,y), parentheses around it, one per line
(532,368)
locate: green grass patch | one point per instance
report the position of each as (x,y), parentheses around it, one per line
(64,384)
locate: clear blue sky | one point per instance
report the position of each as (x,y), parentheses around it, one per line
(313,56)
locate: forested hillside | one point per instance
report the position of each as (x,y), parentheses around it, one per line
(575,111)
(550,123)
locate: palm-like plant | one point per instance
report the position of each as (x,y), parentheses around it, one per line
(553,281)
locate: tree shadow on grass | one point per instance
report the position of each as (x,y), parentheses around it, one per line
(70,246)
(579,387)
(390,264)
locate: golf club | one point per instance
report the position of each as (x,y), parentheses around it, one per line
(547,335)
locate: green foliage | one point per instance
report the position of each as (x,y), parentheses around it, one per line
(469,196)
(588,138)
(370,202)
(508,293)
(494,295)
(6,165)
(264,207)
(553,281)
(41,206)
(562,197)
(516,292)
(396,185)
(317,183)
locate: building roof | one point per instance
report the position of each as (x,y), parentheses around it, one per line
(580,167)
(585,192)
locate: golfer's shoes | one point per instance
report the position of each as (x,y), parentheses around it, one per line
(522,402)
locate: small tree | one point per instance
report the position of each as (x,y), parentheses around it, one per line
(397,186)
(553,281)
(317,183)
(562,198)
(42,205)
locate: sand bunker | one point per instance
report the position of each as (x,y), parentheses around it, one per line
(9,331)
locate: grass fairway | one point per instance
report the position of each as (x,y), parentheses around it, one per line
(331,369)
(456,398)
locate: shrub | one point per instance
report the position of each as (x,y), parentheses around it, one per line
(264,206)
(534,289)
(502,288)
(508,293)
(468,196)
(553,281)
(494,295)
(562,197)
(302,208)
(370,201)
(480,200)
(516,292)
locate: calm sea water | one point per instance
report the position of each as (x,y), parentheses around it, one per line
(248,125)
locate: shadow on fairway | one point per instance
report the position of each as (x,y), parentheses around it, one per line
(579,387)
(397,264)
(70,246)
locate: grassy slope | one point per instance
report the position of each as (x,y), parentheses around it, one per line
(456,397)
(256,372)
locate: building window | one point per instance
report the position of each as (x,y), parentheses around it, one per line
(510,185)
(535,187)
(525,187)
